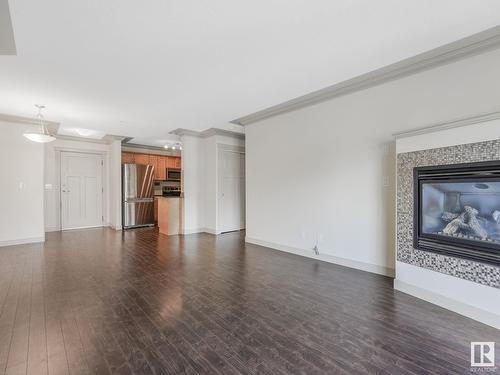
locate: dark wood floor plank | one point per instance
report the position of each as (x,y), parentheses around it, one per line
(136,302)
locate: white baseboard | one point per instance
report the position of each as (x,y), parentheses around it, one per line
(211,231)
(22,241)
(200,230)
(373,268)
(192,231)
(483,316)
(52,229)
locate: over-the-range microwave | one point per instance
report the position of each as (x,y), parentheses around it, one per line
(173,174)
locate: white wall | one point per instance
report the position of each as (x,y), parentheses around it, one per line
(115,185)
(200,181)
(321,169)
(465,297)
(21,187)
(212,145)
(193,166)
(210,223)
(52,178)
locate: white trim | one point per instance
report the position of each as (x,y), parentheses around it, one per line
(461,308)
(102,153)
(52,229)
(208,133)
(445,125)
(104,180)
(470,46)
(22,241)
(89,227)
(193,231)
(211,231)
(200,230)
(101,141)
(52,125)
(132,147)
(373,268)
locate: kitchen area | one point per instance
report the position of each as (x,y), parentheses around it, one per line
(152,190)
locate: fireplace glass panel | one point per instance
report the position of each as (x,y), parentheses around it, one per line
(466,210)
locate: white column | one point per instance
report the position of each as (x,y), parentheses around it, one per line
(115,176)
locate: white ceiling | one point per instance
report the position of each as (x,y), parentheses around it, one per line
(144,68)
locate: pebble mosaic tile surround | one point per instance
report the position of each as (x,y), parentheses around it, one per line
(465,269)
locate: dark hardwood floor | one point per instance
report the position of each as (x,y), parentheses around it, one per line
(100,302)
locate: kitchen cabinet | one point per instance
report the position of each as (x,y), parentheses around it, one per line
(161,168)
(142,159)
(153,160)
(159,162)
(174,162)
(169,215)
(178,163)
(170,162)
(156,209)
(128,158)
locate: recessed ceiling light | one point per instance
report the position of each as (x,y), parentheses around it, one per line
(166,147)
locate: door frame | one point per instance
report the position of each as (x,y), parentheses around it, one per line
(104,155)
(220,149)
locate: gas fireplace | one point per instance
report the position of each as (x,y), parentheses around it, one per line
(457,210)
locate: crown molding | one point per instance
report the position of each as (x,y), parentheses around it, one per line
(470,46)
(81,139)
(106,140)
(52,126)
(182,131)
(133,147)
(111,138)
(456,123)
(208,133)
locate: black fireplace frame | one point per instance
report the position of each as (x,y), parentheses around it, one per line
(453,246)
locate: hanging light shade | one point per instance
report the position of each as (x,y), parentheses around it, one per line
(42,135)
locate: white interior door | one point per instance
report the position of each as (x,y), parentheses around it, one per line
(81,190)
(231,190)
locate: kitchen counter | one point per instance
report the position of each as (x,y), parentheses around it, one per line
(169,215)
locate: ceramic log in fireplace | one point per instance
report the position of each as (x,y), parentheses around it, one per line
(457,210)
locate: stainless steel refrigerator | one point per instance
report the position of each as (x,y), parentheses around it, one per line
(137,195)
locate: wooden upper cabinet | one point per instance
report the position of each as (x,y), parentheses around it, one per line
(170,162)
(161,172)
(142,159)
(178,163)
(128,158)
(153,160)
(174,162)
(160,162)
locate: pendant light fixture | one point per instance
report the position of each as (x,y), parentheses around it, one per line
(42,135)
